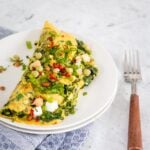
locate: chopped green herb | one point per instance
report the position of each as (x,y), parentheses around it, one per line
(59,54)
(88,80)
(61,41)
(43,107)
(57,88)
(24,66)
(52,34)
(8,112)
(94,70)
(19,96)
(21,114)
(52,50)
(82,47)
(29,44)
(69,43)
(48,116)
(85,93)
(2,69)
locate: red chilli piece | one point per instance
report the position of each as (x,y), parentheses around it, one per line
(51,44)
(29,118)
(40,73)
(31,115)
(59,66)
(32,112)
(52,77)
(55,65)
(37,119)
(63,71)
(66,74)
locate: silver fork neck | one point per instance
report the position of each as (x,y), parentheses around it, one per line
(133,87)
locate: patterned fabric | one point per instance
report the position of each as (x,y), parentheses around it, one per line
(66,141)
(14,140)
(7,144)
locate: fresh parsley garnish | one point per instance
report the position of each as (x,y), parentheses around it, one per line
(24,66)
(85,93)
(19,96)
(29,44)
(68,43)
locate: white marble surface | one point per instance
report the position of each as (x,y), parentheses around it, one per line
(117,25)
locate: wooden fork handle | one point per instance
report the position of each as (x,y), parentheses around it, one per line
(134,131)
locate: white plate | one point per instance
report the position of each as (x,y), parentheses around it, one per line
(100,92)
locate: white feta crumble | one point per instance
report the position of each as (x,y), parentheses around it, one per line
(78,63)
(78,60)
(37,111)
(56,70)
(35,64)
(86,58)
(51,106)
(79,71)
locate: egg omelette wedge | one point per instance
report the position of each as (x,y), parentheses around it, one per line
(48,90)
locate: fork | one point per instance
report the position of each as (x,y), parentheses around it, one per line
(132,74)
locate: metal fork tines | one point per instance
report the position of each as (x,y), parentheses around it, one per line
(132,71)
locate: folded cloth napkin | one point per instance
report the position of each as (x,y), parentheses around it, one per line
(15,140)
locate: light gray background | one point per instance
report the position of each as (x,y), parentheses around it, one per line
(117,25)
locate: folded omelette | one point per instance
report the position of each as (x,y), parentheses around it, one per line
(48,90)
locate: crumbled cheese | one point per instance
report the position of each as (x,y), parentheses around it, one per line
(79,71)
(51,106)
(35,64)
(86,58)
(56,70)
(50,56)
(70,70)
(40,68)
(47,68)
(37,111)
(38,55)
(70,96)
(87,72)
(78,60)
(73,78)
(35,73)
(78,63)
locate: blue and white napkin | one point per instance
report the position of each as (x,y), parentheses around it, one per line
(15,140)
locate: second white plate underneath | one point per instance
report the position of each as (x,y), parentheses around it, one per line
(61,130)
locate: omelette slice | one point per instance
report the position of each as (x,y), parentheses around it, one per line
(48,90)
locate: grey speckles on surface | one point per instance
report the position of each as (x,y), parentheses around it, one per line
(117,25)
